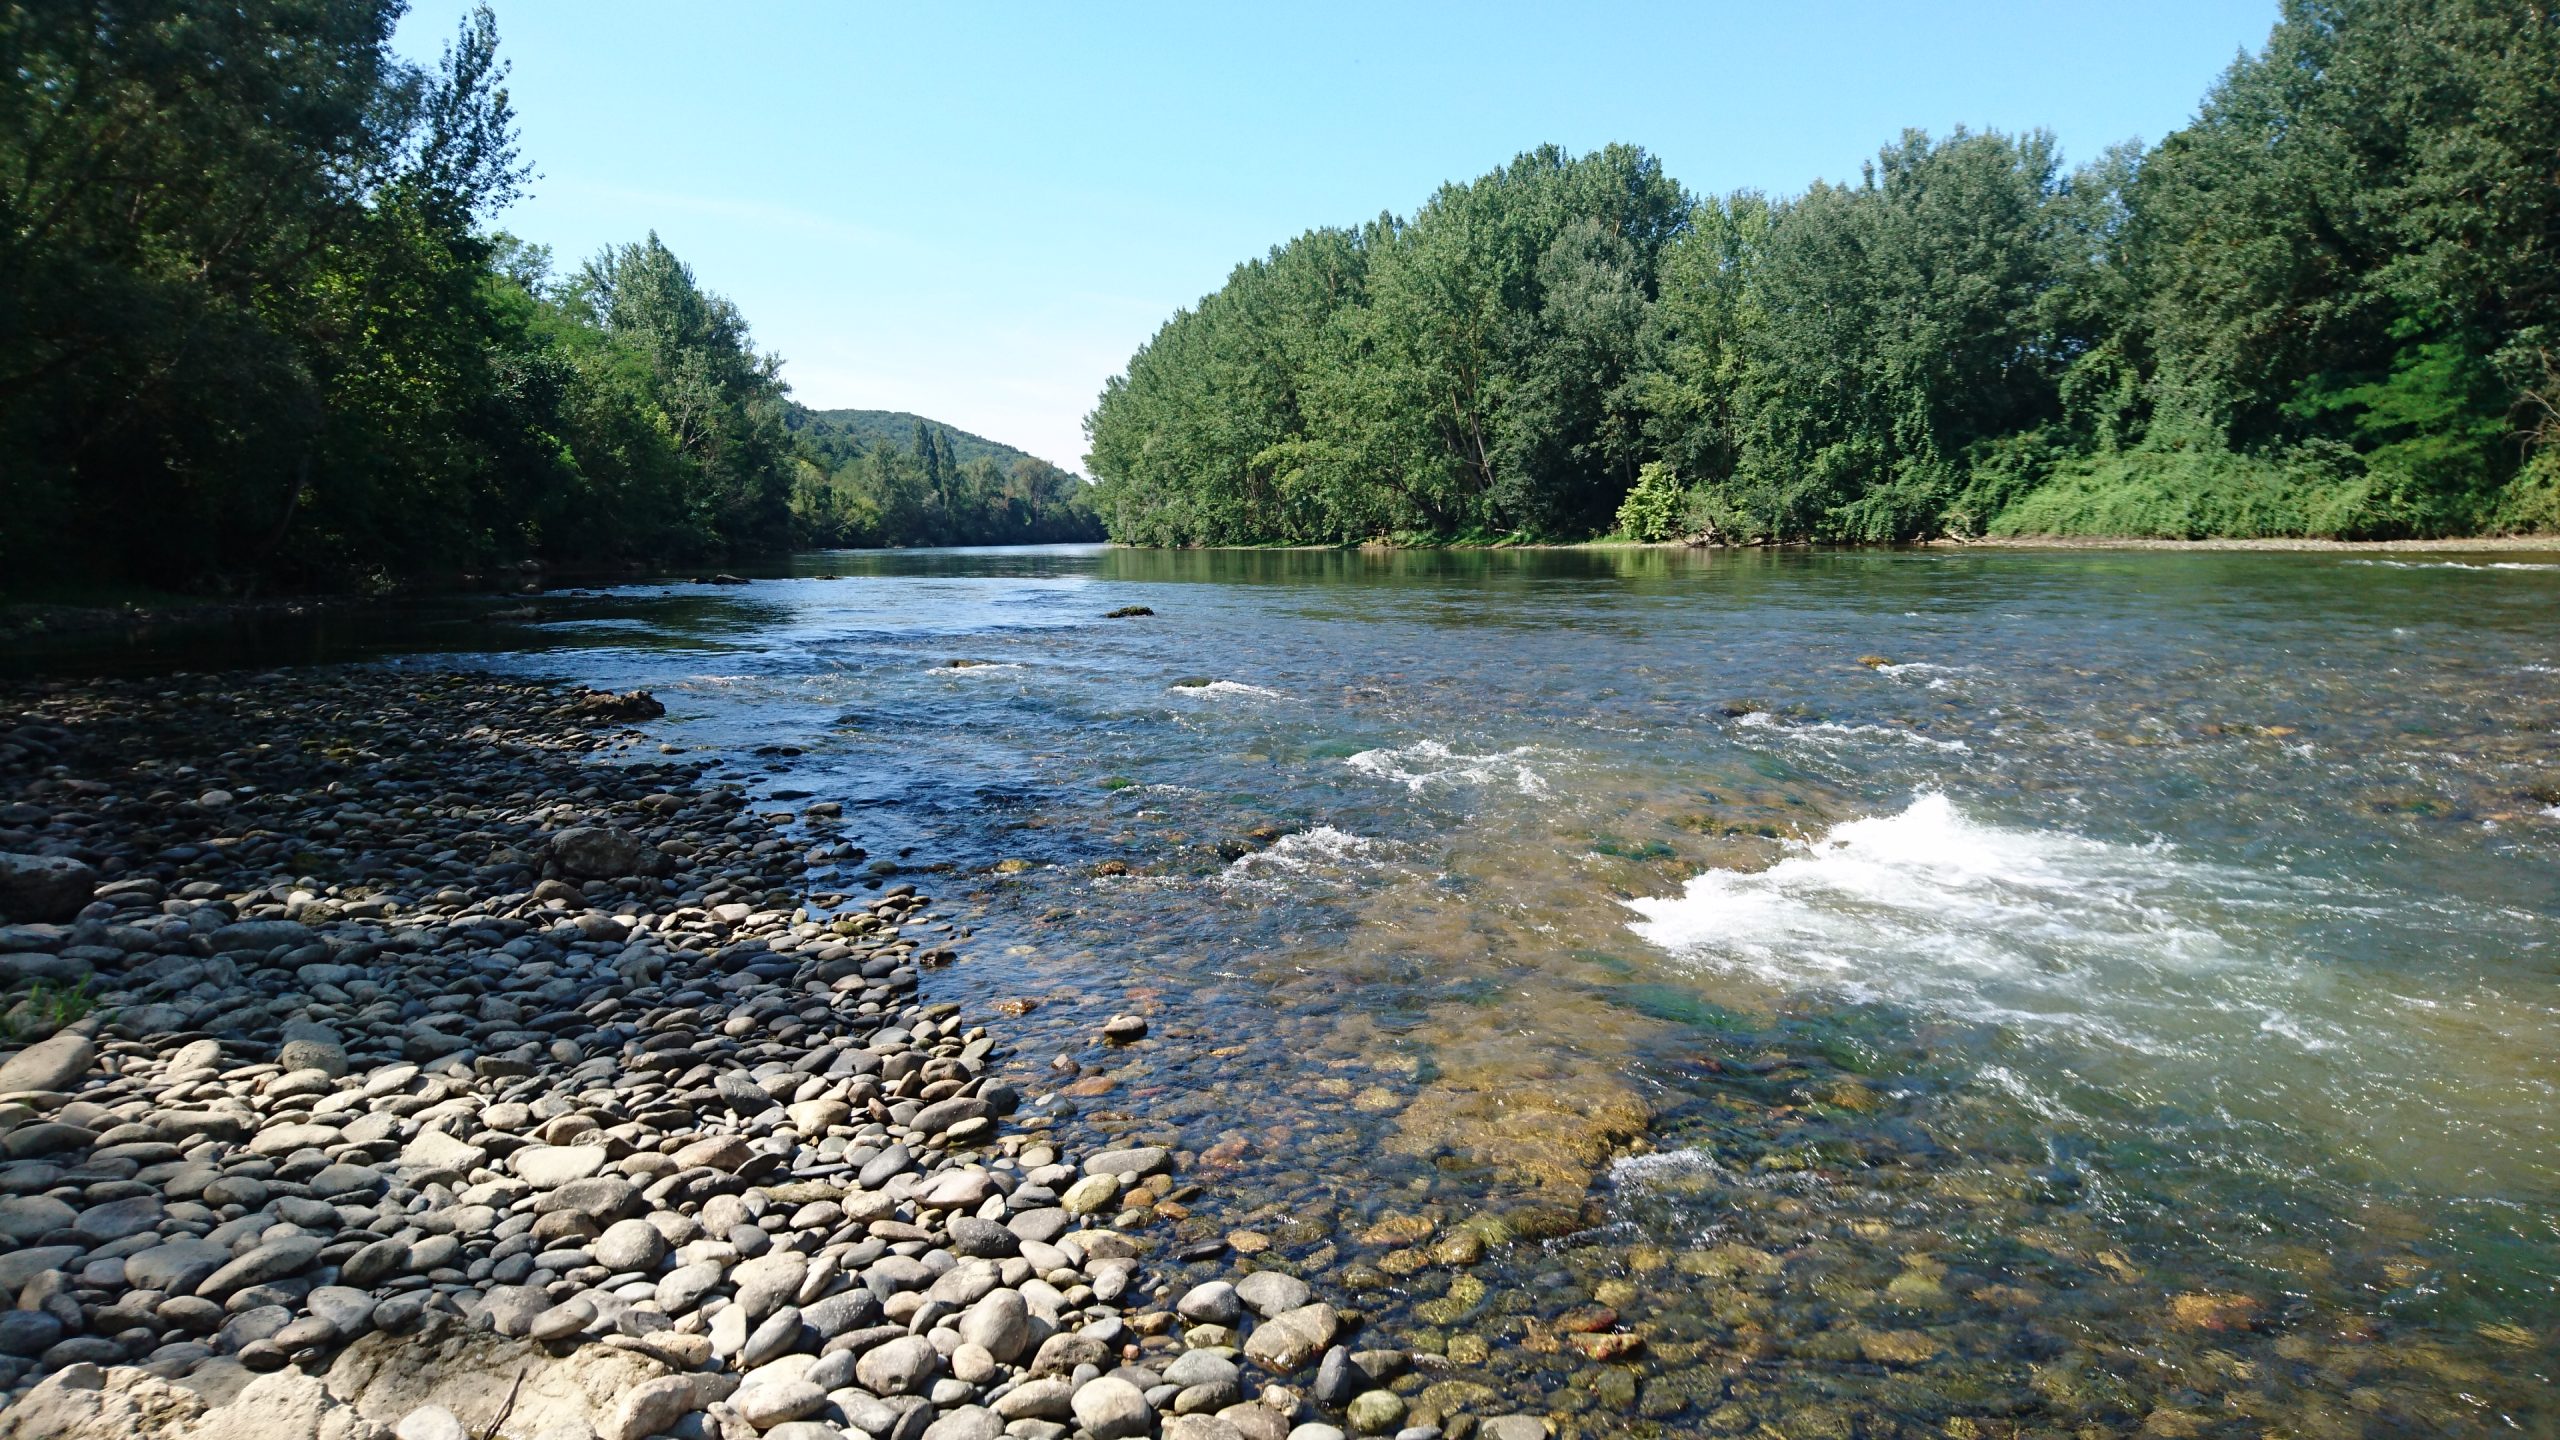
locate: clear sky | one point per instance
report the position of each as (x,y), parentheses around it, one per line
(976,211)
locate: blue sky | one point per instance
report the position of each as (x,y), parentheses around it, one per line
(976,211)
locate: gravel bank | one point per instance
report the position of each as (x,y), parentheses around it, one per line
(397,1068)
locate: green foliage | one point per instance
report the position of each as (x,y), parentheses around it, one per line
(1657,506)
(252,331)
(2530,504)
(857,487)
(1471,371)
(2327,307)
(240,295)
(1897,323)
(48,1007)
(835,436)
(2193,495)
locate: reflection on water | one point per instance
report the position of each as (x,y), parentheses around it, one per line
(1965,993)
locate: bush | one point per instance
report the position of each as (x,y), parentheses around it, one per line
(1658,507)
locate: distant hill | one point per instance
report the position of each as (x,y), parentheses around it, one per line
(885,477)
(852,432)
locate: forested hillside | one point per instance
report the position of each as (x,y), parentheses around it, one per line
(2329,306)
(848,432)
(885,477)
(256,329)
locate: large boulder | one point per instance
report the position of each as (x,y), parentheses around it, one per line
(470,1372)
(285,1405)
(83,1402)
(44,887)
(594,852)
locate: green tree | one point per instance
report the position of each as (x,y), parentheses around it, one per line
(2352,245)
(715,398)
(226,235)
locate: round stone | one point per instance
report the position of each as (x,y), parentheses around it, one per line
(630,1246)
(1110,1408)
(904,1366)
(1376,1412)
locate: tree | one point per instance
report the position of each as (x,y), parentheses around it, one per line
(225,234)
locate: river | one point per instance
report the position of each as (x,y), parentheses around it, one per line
(1971,993)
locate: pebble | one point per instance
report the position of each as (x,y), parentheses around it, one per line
(1212,1302)
(767,1404)
(550,1049)
(1269,1292)
(900,1367)
(1376,1412)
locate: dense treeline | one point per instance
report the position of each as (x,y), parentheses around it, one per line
(857,485)
(254,328)
(2329,306)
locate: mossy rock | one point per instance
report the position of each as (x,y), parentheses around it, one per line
(1448,1397)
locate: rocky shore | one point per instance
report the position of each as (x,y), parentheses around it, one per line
(414,1054)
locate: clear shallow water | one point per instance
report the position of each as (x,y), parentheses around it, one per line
(2134,975)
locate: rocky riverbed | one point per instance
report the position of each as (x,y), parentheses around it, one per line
(419,1055)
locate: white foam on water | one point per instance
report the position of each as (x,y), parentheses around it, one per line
(978,669)
(1828,734)
(1428,762)
(1319,850)
(1661,1165)
(1932,676)
(2128,945)
(1229,687)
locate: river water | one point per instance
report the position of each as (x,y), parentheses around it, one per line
(1966,993)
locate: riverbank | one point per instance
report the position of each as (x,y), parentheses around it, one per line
(2481,543)
(397,1065)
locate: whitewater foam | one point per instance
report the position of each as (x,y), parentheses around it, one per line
(1316,850)
(1661,1165)
(1428,762)
(2038,929)
(1932,676)
(1829,733)
(1229,687)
